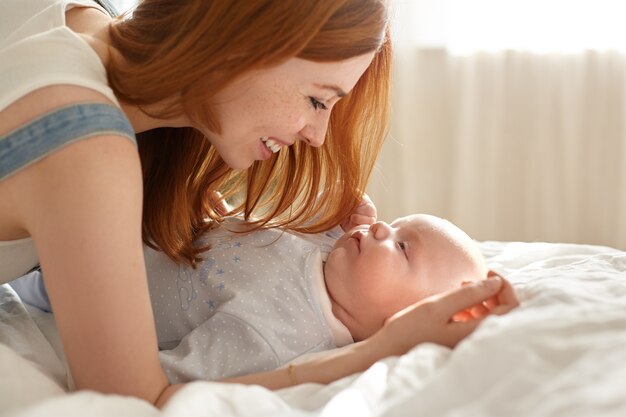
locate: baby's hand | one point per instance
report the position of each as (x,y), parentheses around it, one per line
(217,202)
(365,213)
(501,303)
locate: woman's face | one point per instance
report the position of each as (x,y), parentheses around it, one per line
(271,108)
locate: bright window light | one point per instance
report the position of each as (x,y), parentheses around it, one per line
(542,26)
(123,5)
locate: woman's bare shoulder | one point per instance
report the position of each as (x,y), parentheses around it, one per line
(16,189)
(44,100)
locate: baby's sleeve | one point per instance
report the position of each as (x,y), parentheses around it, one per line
(31,290)
(223,346)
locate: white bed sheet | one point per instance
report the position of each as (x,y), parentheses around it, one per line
(563,352)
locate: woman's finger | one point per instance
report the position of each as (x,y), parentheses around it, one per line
(457,331)
(468,296)
(491,303)
(503,309)
(492,273)
(507,296)
(479,310)
(462,316)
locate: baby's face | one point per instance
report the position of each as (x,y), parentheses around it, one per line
(375,271)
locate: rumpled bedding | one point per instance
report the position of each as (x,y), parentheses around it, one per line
(562,352)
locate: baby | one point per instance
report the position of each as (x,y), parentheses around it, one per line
(263,298)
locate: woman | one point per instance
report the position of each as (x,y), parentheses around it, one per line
(230,96)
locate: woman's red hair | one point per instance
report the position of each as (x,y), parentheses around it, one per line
(192,49)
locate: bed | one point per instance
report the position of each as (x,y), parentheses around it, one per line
(562,352)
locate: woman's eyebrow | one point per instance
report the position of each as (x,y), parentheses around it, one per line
(332,87)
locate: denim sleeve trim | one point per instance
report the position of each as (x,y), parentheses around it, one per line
(108,7)
(59,128)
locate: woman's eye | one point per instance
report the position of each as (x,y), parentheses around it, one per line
(317,104)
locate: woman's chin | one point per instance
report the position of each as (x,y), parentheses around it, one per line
(238,164)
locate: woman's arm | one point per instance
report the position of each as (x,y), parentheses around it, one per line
(430,320)
(82,206)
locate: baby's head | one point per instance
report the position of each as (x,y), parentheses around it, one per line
(375,271)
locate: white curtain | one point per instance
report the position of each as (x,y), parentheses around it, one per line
(508,118)
(509,144)
(123,5)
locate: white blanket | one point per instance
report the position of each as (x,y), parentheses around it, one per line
(562,353)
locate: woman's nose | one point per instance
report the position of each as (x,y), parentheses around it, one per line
(380,230)
(314,132)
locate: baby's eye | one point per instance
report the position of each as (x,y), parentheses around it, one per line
(402,246)
(317,104)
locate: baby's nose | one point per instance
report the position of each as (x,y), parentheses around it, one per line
(380,230)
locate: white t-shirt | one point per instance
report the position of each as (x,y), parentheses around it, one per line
(37,50)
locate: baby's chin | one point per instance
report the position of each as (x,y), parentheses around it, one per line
(341,242)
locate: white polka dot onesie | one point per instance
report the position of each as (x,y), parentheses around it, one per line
(256,302)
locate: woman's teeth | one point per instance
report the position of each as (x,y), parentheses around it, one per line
(271,144)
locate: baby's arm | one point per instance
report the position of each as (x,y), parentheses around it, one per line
(32,291)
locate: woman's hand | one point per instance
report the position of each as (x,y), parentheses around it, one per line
(433,319)
(365,213)
(501,303)
(430,320)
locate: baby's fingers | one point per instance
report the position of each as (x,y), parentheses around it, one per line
(358,219)
(218,203)
(367,207)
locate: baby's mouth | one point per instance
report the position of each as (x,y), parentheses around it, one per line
(357,238)
(271,144)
